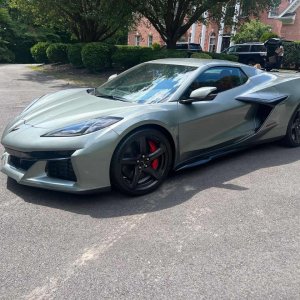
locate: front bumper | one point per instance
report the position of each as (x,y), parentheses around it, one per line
(75,171)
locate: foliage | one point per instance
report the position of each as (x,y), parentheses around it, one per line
(156,46)
(87,20)
(38,52)
(57,53)
(129,56)
(6,56)
(172,18)
(97,56)
(251,32)
(292,55)
(268,35)
(201,55)
(223,56)
(74,55)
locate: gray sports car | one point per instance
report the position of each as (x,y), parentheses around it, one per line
(159,116)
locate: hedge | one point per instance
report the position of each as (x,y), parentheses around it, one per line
(57,53)
(129,56)
(97,56)
(223,56)
(201,55)
(38,52)
(291,57)
(74,55)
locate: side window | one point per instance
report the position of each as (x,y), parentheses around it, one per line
(231,50)
(258,48)
(243,48)
(223,78)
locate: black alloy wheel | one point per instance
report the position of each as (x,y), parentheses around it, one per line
(292,138)
(141,162)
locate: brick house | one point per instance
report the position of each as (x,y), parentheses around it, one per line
(284,19)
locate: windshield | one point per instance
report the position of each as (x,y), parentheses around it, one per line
(148,83)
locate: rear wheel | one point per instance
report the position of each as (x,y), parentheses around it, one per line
(141,162)
(292,138)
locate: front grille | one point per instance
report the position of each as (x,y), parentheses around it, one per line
(61,169)
(20,163)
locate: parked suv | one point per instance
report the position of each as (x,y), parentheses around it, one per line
(249,53)
(194,47)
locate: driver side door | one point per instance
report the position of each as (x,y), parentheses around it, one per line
(221,120)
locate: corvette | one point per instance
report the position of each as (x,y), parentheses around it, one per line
(159,116)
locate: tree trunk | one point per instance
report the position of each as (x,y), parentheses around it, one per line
(171,43)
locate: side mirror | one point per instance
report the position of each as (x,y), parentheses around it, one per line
(112,77)
(199,94)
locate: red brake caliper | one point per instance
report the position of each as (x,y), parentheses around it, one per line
(153,148)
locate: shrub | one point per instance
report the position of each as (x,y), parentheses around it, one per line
(128,56)
(156,46)
(268,35)
(223,56)
(74,55)
(6,56)
(38,52)
(97,56)
(57,53)
(291,55)
(201,55)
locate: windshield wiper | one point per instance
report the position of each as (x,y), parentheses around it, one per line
(112,97)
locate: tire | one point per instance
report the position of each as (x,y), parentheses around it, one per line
(141,162)
(292,137)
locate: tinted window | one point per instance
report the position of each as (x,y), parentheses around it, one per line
(181,46)
(223,78)
(243,48)
(231,49)
(258,48)
(194,46)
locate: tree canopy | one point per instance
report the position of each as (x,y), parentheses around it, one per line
(172,18)
(87,20)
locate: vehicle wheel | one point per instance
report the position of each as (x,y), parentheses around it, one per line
(292,138)
(141,162)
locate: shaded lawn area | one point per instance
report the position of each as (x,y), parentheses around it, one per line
(74,76)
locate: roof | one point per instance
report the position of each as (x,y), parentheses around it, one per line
(193,62)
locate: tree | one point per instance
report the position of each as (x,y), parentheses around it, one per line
(87,20)
(252,32)
(172,18)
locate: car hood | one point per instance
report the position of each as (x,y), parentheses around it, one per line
(73,105)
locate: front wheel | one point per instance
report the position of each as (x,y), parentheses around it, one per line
(141,162)
(292,138)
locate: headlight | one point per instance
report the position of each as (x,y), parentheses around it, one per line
(84,127)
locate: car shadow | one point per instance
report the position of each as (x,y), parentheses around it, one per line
(178,188)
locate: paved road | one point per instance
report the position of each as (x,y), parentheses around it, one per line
(226,230)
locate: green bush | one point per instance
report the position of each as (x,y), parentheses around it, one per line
(97,56)
(223,56)
(57,53)
(268,35)
(291,57)
(127,56)
(156,46)
(6,56)
(38,52)
(74,55)
(201,55)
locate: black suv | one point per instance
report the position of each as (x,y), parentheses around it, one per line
(193,47)
(249,53)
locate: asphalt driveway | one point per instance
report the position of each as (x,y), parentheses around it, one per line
(226,230)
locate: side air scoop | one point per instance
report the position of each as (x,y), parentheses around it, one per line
(266,98)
